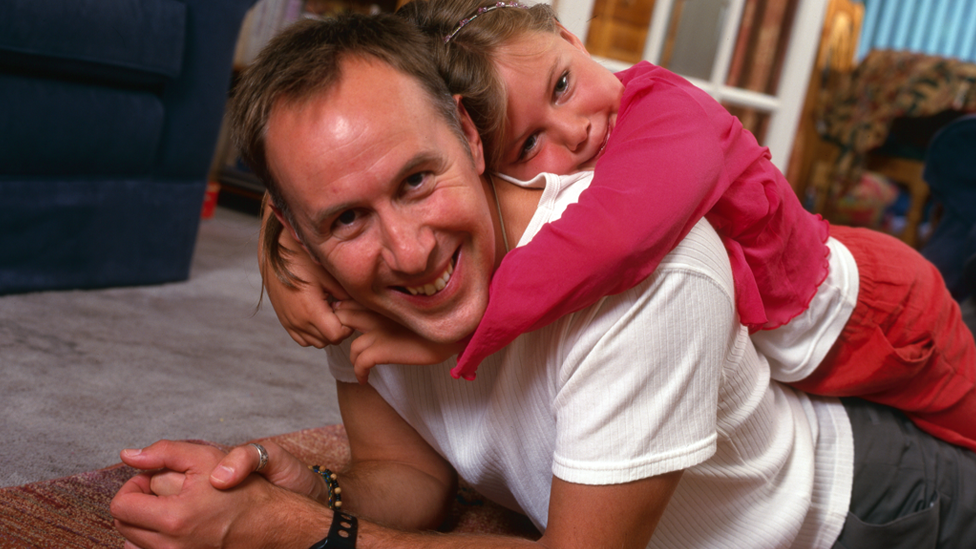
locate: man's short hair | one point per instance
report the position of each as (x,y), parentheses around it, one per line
(305,60)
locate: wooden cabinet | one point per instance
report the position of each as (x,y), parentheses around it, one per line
(618,29)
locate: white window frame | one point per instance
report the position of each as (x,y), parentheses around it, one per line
(784,107)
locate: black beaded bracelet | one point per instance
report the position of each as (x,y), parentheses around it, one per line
(342,533)
(332,482)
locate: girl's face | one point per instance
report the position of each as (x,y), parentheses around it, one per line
(562,105)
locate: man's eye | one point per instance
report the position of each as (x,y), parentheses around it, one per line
(347,217)
(563,83)
(415,180)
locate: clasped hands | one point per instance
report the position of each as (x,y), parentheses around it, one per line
(191,495)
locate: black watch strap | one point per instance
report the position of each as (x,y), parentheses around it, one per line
(342,533)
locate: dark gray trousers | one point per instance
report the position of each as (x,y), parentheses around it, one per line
(910,490)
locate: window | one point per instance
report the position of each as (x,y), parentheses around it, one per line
(753,56)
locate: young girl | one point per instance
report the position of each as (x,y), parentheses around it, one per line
(875,322)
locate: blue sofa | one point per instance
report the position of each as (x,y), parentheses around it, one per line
(109,116)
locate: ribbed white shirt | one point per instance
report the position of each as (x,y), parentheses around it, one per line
(659,378)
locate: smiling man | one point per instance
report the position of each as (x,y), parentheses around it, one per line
(394,207)
(648,419)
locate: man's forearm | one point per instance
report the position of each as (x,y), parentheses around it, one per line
(395,477)
(396,495)
(372,536)
(305,523)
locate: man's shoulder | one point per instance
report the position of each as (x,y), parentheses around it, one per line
(685,294)
(701,251)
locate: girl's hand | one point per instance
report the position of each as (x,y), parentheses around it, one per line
(383,341)
(304,310)
(299,289)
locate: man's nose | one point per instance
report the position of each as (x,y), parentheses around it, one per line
(408,245)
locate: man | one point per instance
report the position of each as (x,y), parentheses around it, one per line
(648,414)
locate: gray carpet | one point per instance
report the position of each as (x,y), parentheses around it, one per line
(84,374)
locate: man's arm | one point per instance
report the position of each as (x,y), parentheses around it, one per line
(397,479)
(580,517)
(258,514)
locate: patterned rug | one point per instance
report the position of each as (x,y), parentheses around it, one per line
(72,512)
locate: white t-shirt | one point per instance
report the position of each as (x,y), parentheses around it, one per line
(795,349)
(658,378)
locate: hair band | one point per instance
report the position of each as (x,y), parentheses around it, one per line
(481,10)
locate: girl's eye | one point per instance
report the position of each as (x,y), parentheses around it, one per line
(528,146)
(562,84)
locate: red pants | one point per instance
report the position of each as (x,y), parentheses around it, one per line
(905,344)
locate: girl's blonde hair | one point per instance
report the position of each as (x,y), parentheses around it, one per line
(466,61)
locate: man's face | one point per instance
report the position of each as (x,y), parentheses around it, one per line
(389,199)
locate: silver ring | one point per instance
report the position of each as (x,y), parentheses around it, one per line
(262,456)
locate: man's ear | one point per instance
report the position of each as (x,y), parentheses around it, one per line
(571,38)
(471,134)
(291,230)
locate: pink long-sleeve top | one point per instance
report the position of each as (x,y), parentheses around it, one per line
(675,156)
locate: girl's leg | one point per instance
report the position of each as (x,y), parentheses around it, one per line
(905,345)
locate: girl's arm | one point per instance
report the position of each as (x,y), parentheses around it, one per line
(383,341)
(675,156)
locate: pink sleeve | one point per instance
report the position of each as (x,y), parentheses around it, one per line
(662,170)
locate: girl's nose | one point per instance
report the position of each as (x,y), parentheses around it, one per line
(573,131)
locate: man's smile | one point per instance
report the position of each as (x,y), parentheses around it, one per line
(438,284)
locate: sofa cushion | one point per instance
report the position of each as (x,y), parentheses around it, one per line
(95,233)
(67,128)
(120,40)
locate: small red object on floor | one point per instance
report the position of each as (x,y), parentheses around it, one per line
(210,200)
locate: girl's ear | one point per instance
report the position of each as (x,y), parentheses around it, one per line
(571,38)
(471,134)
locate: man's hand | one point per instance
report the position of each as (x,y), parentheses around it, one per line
(254,514)
(384,341)
(283,469)
(166,483)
